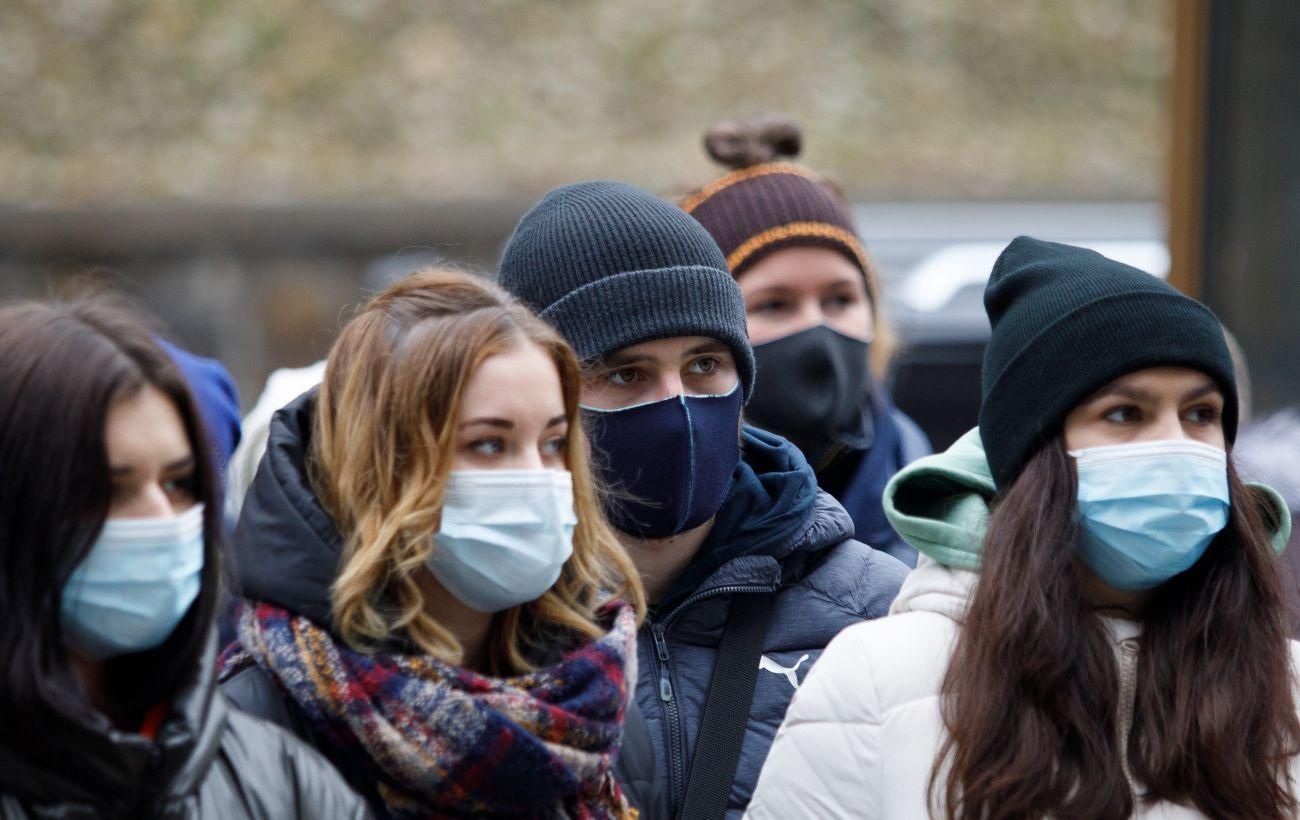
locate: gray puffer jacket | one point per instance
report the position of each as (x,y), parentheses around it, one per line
(206,761)
(775,532)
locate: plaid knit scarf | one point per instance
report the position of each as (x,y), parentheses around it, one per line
(444,741)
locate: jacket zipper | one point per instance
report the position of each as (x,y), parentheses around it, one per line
(667,696)
(1127,693)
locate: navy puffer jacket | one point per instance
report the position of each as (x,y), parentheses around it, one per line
(775,532)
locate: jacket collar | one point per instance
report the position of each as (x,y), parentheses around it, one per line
(286,547)
(173,764)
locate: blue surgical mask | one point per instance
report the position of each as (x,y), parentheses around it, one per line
(1149,510)
(669,463)
(504,536)
(134,586)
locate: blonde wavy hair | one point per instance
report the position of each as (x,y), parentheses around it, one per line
(384,434)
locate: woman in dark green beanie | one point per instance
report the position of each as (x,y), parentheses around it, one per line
(1095,628)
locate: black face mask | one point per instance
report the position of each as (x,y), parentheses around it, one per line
(811,388)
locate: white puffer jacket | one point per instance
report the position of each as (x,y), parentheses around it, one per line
(864,728)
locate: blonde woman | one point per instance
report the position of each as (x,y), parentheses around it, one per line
(434,599)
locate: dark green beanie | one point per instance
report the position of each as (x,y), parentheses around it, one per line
(1067,322)
(610,266)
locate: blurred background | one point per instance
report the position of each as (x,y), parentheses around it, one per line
(250,169)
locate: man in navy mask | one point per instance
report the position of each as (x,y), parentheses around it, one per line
(749,568)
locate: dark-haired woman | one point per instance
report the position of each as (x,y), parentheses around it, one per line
(108,580)
(1095,629)
(813,311)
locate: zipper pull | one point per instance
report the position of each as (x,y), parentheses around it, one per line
(661,645)
(661,651)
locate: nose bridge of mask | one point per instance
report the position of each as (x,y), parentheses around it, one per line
(1146,469)
(144,550)
(186,524)
(482,494)
(1141,451)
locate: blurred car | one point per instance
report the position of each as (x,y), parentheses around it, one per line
(935,259)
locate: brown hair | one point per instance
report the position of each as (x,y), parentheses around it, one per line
(1031,696)
(764,138)
(63,366)
(385,428)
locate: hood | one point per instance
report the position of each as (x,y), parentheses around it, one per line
(112,769)
(286,547)
(940,504)
(773,509)
(934,587)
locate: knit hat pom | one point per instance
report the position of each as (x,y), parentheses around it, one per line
(764,138)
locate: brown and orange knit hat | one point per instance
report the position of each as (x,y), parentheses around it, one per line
(766,204)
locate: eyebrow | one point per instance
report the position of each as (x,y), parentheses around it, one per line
(507,424)
(183,463)
(772,290)
(627,359)
(1137,394)
(711,346)
(621,359)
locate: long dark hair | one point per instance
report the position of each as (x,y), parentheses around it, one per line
(62,365)
(1031,696)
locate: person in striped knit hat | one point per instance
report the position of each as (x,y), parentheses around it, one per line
(813,311)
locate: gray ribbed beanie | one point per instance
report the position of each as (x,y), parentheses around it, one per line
(610,266)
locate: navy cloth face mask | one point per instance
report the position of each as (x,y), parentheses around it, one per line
(668,463)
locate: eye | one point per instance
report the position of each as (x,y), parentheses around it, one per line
(1124,414)
(1204,415)
(623,377)
(555,446)
(487,446)
(770,307)
(180,487)
(837,302)
(705,366)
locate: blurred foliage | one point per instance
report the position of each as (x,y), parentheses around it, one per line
(275,100)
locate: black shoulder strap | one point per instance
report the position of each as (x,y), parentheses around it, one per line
(726,710)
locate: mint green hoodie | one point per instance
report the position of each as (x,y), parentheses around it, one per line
(940,504)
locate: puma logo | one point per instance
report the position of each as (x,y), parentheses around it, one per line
(767,664)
